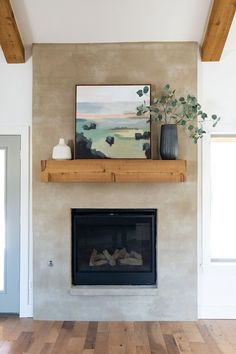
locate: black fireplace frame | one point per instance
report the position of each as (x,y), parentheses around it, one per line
(121,277)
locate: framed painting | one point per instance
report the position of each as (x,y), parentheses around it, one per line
(106,124)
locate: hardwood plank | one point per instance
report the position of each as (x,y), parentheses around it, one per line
(208,339)
(130,339)
(40,336)
(192,333)
(20,326)
(102,338)
(141,335)
(8,326)
(80,329)
(32,337)
(10,38)
(54,332)
(117,336)
(103,326)
(63,338)
(115,349)
(199,348)
(142,350)
(47,348)
(219,24)
(229,329)
(68,325)
(23,342)
(182,343)
(219,337)
(155,337)
(75,345)
(102,343)
(171,344)
(165,328)
(91,336)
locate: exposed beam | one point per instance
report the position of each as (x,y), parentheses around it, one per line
(10,38)
(220,20)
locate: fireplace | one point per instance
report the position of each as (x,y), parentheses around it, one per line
(114,246)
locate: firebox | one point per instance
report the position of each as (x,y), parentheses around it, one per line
(114,246)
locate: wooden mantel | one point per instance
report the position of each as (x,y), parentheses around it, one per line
(114,170)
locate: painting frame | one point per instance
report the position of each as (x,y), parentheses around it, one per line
(141,126)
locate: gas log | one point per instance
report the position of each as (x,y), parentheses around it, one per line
(119,257)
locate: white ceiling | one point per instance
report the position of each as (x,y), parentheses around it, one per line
(81,21)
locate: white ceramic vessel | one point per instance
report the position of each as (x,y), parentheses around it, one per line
(61,151)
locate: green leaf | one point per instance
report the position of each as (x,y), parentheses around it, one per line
(139,113)
(214,116)
(201,131)
(204,115)
(145,89)
(216,122)
(140,93)
(159,116)
(174,103)
(190,127)
(156,110)
(163,99)
(139,108)
(181,99)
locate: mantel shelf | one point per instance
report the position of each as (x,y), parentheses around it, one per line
(114,170)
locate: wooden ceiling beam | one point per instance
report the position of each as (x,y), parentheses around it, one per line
(219,24)
(10,39)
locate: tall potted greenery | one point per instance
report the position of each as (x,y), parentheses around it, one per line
(170,112)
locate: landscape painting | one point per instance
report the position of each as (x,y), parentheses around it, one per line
(107,125)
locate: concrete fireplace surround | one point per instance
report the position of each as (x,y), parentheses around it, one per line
(57,68)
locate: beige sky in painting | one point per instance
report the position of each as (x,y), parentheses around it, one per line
(113,93)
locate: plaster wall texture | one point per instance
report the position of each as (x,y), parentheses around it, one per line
(57,68)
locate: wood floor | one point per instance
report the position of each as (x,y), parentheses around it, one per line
(18,336)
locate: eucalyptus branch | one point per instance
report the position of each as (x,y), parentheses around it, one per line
(184,111)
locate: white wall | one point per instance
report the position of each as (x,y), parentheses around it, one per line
(15,118)
(15,92)
(217,281)
(217,93)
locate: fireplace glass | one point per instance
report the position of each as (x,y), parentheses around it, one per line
(114,246)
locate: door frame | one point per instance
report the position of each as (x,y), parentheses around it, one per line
(26,306)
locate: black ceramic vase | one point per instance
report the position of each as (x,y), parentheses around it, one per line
(169,142)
